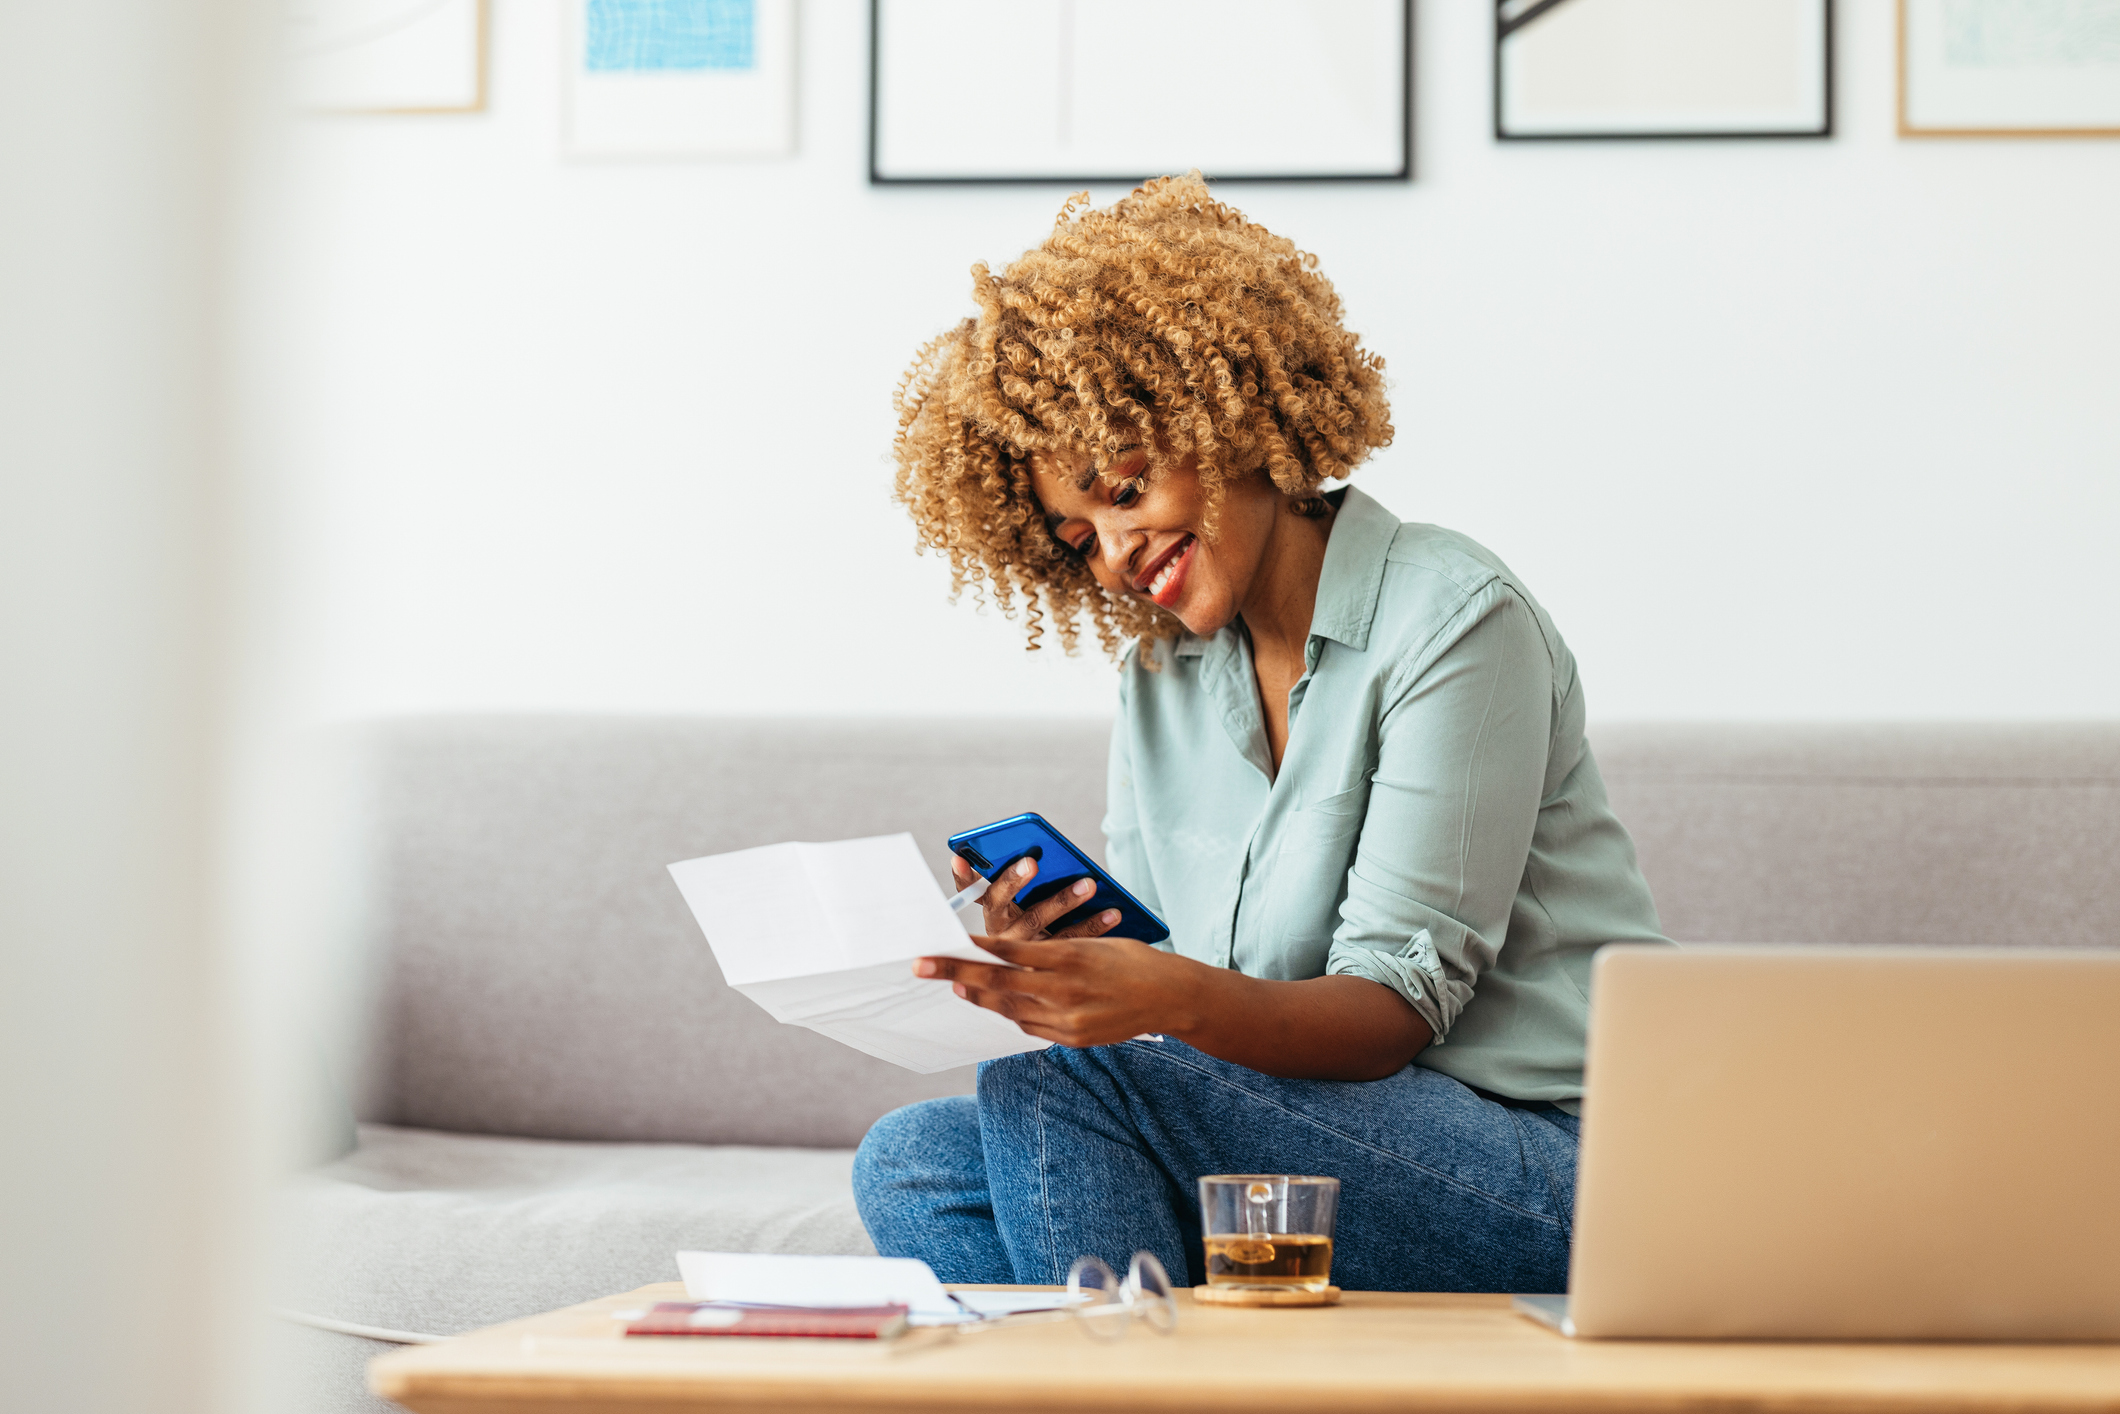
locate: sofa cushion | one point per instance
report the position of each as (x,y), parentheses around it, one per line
(443,1233)
(1951,834)
(309,1371)
(538,972)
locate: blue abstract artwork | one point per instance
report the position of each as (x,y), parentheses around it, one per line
(635,35)
(2014,33)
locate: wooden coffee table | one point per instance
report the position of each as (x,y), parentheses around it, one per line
(1375,1351)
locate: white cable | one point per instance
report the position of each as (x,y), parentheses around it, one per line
(337,1327)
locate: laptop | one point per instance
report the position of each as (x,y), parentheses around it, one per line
(1879,1143)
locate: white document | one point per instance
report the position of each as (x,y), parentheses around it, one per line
(824,936)
(994,1304)
(761,1279)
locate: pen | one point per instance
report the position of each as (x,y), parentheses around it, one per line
(978,886)
(969,893)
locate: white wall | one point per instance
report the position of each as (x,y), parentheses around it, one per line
(1818,429)
(125,1186)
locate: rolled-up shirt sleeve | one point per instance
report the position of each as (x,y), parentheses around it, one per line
(1460,773)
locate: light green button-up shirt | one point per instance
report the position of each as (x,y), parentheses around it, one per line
(1438,825)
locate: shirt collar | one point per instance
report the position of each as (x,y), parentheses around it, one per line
(1353,574)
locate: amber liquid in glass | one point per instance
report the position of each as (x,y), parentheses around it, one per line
(1290,1261)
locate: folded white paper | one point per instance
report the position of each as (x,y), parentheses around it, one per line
(824,936)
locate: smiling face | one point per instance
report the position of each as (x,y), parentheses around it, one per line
(1145,537)
(1168,311)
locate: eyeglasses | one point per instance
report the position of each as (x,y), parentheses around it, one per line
(1106,1307)
(1102,1305)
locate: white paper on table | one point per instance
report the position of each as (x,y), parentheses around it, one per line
(763,1279)
(1011,1303)
(824,936)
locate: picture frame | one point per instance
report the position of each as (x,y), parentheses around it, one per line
(677,79)
(1688,70)
(387,56)
(1977,68)
(1346,65)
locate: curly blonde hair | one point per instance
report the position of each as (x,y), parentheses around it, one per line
(1167,322)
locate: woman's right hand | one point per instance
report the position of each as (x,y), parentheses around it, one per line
(1028,925)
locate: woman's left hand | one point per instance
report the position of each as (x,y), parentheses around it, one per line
(1076,991)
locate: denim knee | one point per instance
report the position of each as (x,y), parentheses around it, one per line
(1002,1081)
(907,1141)
(883,1152)
(998,1078)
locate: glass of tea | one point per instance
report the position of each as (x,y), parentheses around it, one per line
(1268,1231)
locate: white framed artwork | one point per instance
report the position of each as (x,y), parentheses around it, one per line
(386,56)
(1080,91)
(678,78)
(1663,69)
(2009,68)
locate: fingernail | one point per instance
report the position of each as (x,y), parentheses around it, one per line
(1111,915)
(1083,889)
(1027,867)
(960,991)
(923,968)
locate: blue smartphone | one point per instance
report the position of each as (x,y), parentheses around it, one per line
(993,848)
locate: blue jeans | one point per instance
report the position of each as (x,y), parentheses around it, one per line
(1067,1152)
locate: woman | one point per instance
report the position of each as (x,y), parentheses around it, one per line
(1348,771)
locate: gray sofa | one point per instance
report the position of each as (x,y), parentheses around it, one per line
(560,1092)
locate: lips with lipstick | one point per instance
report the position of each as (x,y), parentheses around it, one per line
(1163,578)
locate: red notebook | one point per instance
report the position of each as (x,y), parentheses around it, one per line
(713,1318)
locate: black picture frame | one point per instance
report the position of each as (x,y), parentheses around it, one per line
(1404,173)
(1504,26)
